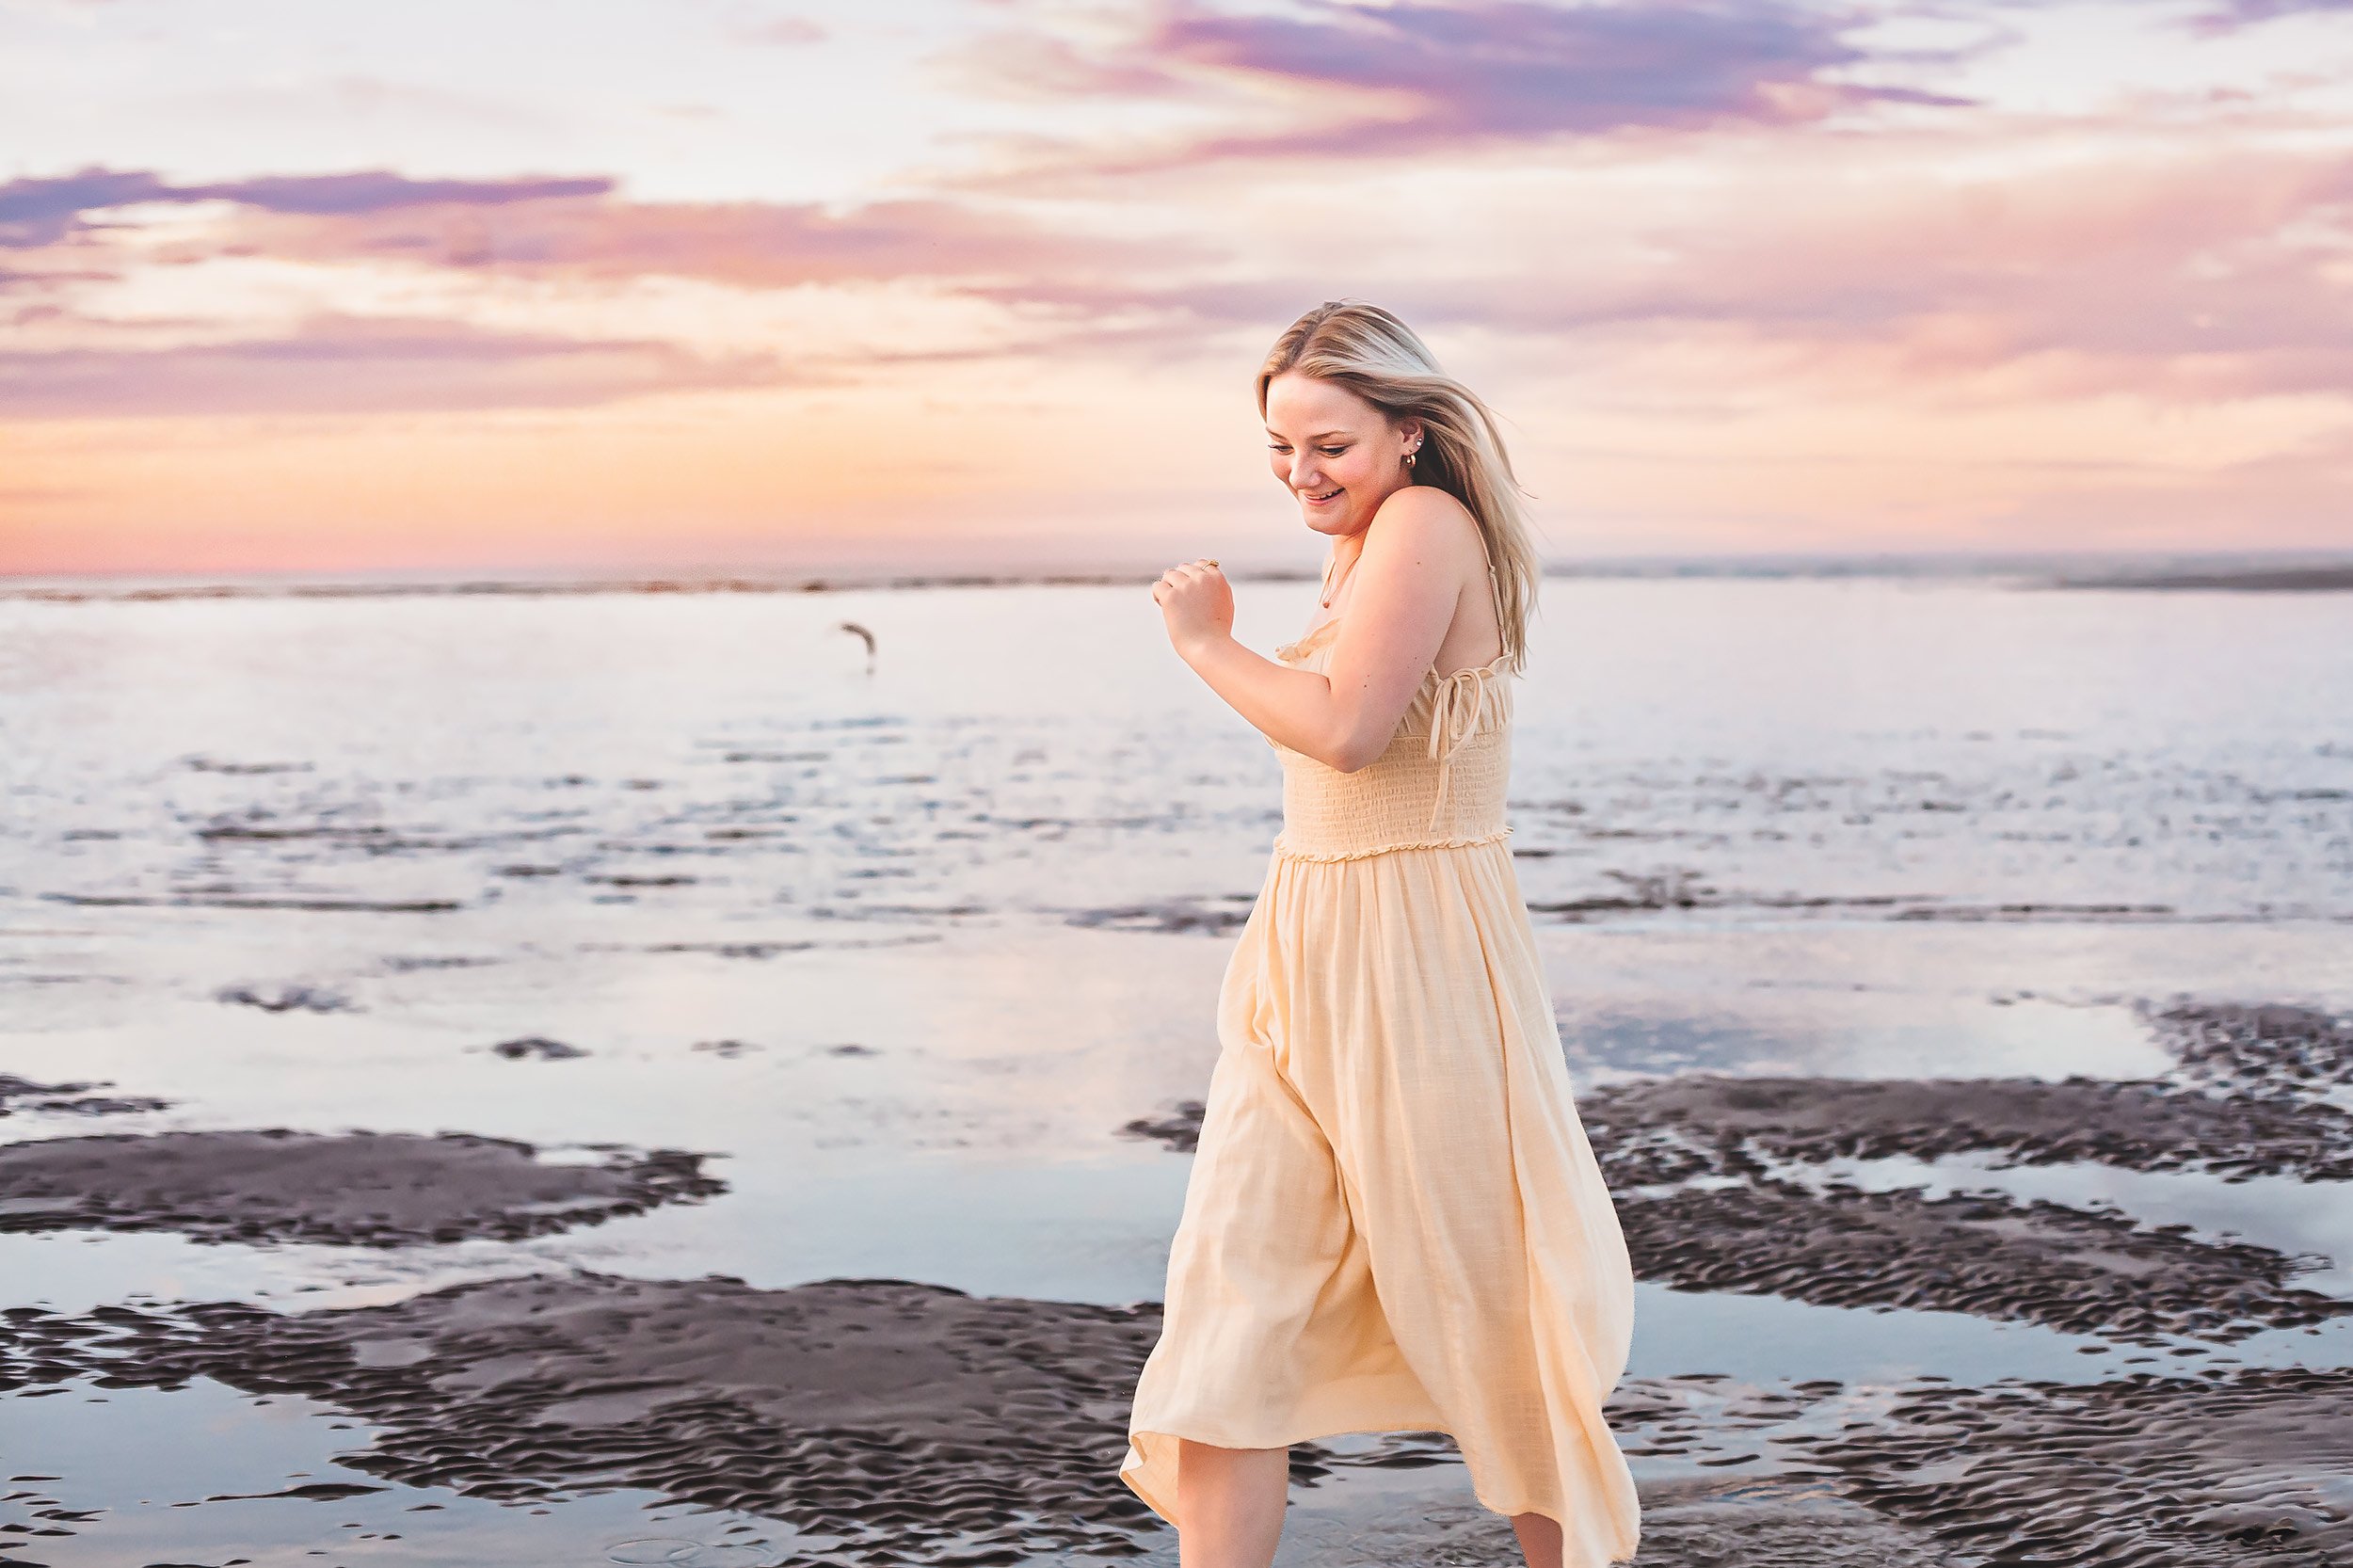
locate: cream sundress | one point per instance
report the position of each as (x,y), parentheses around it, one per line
(1394,1222)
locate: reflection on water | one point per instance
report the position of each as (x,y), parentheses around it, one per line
(206,1472)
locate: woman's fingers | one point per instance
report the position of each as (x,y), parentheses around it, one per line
(1181,574)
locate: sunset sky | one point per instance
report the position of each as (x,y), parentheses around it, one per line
(722,284)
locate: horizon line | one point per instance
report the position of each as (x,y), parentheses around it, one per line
(2284,562)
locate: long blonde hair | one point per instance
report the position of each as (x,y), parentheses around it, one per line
(1373,354)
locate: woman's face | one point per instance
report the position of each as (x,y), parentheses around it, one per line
(1337,454)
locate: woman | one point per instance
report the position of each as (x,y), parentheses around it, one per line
(1394,1221)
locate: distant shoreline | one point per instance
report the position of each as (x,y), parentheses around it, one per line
(2240,574)
(2294,580)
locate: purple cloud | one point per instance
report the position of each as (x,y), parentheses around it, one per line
(2231,15)
(42,211)
(380,190)
(1482,71)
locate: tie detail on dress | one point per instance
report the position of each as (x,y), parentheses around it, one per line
(1454,718)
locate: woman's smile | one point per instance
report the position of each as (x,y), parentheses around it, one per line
(1338,456)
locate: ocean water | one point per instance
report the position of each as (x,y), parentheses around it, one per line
(903,942)
(1879,828)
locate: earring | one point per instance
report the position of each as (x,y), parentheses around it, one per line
(1409,459)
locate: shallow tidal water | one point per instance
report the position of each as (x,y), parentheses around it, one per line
(903,948)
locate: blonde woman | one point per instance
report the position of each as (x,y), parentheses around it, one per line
(1394,1221)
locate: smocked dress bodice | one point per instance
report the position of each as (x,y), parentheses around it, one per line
(1441,783)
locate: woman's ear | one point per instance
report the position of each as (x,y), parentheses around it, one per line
(1410,432)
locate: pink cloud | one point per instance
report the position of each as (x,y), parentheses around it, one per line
(563,229)
(2195,278)
(2187,275)
(567,225)
(344,364)
(749,243)
(2220,277)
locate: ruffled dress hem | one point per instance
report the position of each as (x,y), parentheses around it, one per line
(1474,840)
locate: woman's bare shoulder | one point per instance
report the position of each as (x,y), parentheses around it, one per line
(1426,520)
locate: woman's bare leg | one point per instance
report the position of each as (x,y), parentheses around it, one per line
(1229,1504)
(1540,1539)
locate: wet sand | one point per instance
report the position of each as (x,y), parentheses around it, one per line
(900,1421)
(1720,1181)
(911,1422)
(2265,1048)
(1686,1158)
(1701,1167)
(2249,1466)
(2041,1263)
(915,1424)
(361,1189)
(1733,1125)
(73,1100)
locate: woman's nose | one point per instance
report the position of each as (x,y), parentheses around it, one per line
(1303,472)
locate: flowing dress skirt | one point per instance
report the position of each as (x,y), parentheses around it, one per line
(1394,1221)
